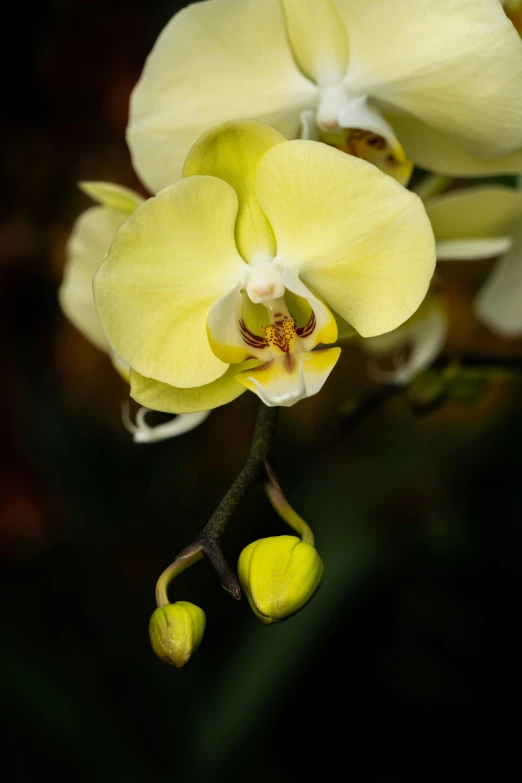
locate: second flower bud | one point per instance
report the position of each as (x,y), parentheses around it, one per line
(279,575)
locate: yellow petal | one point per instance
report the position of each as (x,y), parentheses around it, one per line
(291,377)
(353,234)
(474,213)
(436,151)
(90,239)
(162,397)
(114,196)
(499,302)
(442,62)
(232,151)
(215,61)
(173,258)
(318,39)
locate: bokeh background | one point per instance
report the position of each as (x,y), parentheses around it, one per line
(404,667)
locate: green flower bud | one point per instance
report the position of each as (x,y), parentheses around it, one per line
(279,575)
(176,631)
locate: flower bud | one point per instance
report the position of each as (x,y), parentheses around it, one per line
(176,631)
(279,575)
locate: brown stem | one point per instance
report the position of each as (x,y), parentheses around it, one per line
(207,544)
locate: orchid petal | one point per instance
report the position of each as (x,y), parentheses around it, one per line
(441,62)
(170,399)
(214,61)
(424,335)
(499,302)
(317,38)
(479,212)
(232,151)
(143,433)
(472,249)
(290,377)
(173,258)
(353,234)
(437,151)
(90,239)
(114,196)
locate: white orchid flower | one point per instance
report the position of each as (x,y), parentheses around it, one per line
(91,237)
(224,280)
(484,222)
(440,80)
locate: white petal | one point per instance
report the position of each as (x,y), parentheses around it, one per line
(499,302)
(424,335)
(473,249)
(480,212)
(144,433)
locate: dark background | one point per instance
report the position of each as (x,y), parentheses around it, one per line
(405,665)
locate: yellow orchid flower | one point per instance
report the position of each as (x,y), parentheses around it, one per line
(89,242)
(442,78)
(223,281)
(412,347)
(484,222)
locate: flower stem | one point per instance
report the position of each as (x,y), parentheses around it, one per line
(253,471)
(280,504)
(207,544)
(185,559)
